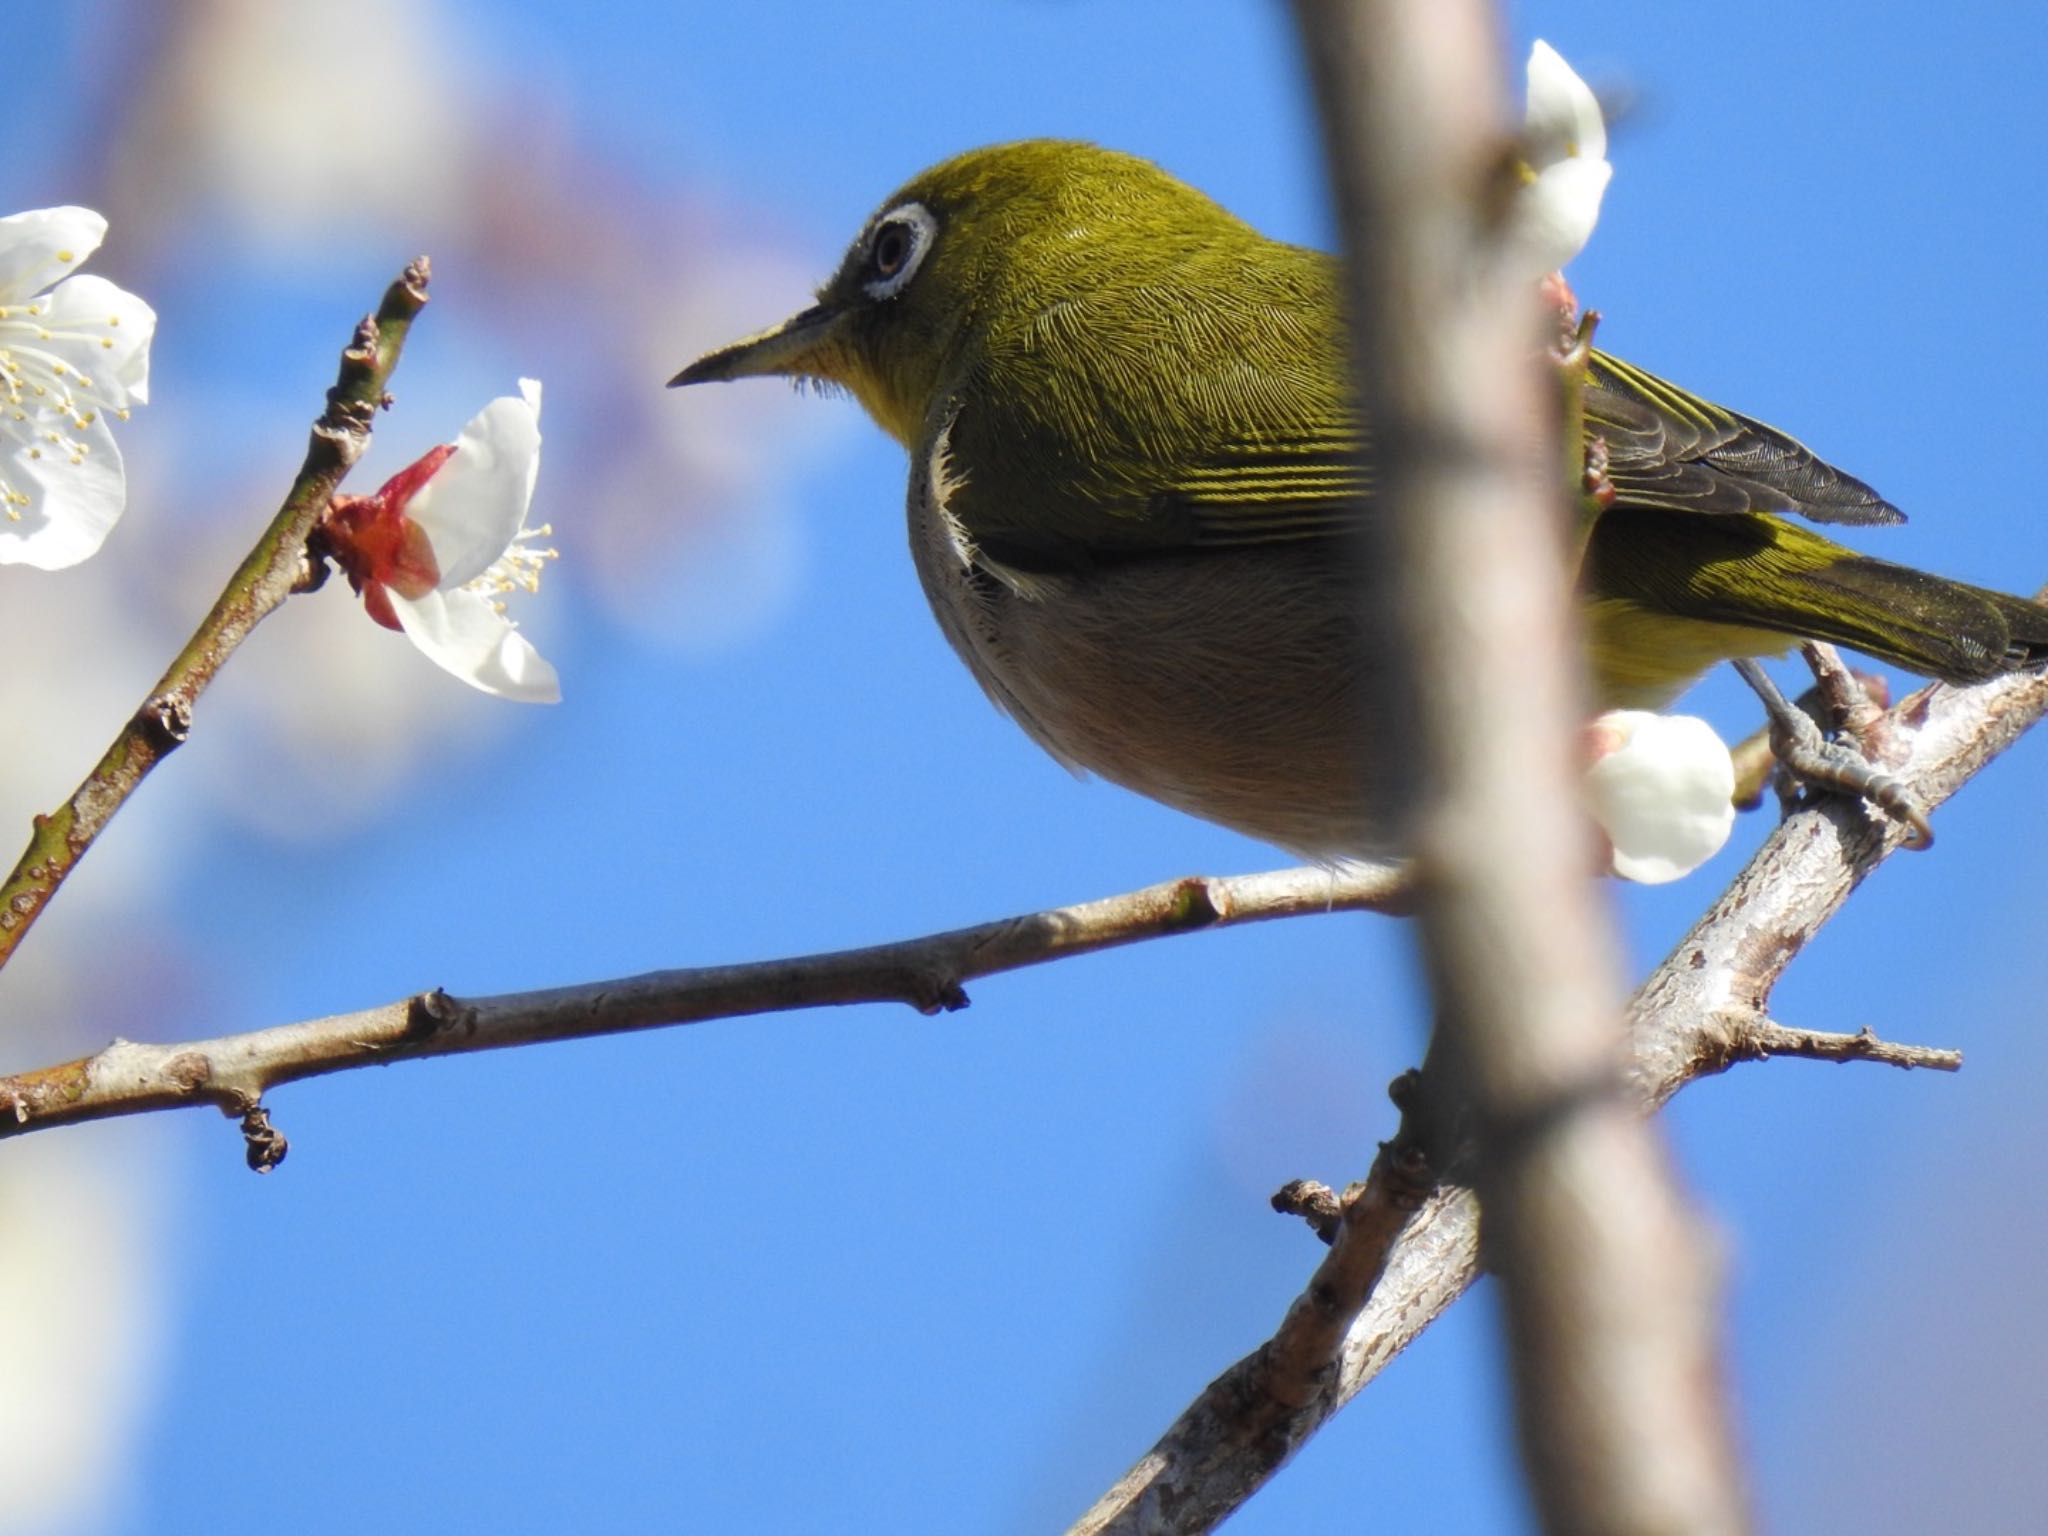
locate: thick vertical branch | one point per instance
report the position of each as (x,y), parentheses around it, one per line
(1608,1284)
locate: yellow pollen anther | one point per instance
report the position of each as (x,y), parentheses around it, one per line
(66,256)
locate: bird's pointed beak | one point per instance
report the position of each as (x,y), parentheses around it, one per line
(806,345)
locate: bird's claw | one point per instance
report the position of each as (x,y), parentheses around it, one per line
(1808,760)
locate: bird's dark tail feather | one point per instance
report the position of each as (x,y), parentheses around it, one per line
(1927,624)
(1767,574)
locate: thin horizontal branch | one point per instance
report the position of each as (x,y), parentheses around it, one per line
(1697,1013)
(234,1071)
(264,580)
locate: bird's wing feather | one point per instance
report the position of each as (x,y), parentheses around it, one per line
(1669,449)
(1303,485)
(1208,407)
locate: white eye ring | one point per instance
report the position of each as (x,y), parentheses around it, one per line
(912,222)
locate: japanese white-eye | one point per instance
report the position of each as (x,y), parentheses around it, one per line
(1134,460)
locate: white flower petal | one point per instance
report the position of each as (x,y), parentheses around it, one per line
(1565,141)
(1663,792)
(1562,120)
(1555,215)
(54,512)
(42,246)
(103,331)
(462,633)
(475,506)
(68,358)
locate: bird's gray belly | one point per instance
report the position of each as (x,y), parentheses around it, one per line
(1228,684)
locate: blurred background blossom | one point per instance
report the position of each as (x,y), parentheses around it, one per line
(861,1270)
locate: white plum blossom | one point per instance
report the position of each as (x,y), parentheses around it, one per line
(1662,787)
(1565,141)
(435,551)
(74,351)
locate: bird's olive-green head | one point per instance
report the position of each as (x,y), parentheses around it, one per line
(966,256)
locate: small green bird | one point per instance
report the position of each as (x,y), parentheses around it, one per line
(1134,461)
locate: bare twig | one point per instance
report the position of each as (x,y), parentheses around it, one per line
(266,577)
(1759,1039)
(1606,1279)
(234,1071)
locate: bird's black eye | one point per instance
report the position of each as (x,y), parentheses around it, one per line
(892,248)
(901,240)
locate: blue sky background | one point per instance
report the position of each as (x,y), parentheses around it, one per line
(861,1270)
